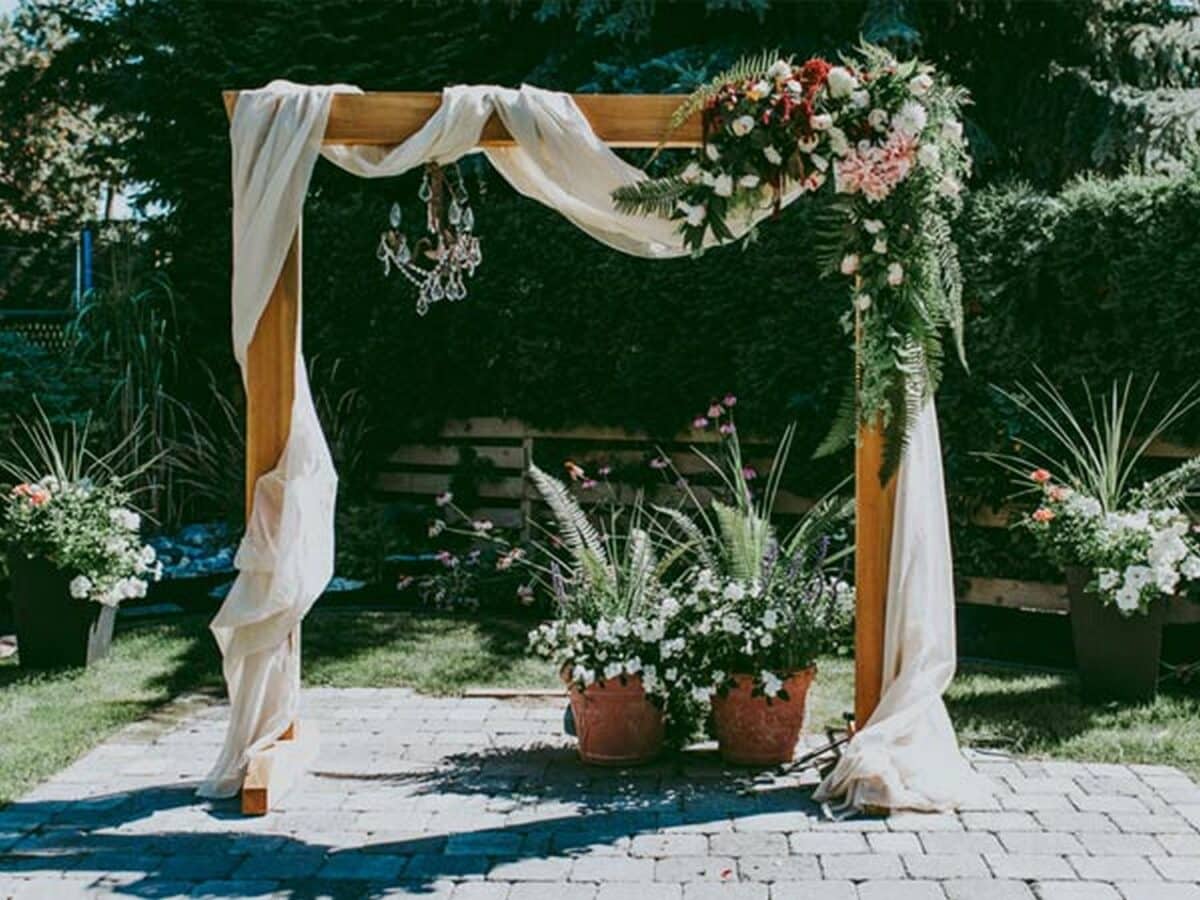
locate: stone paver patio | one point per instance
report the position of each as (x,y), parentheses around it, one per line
(483,799)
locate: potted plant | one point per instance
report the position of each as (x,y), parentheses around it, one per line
(759,609)
(1127,553)
(613,619)
(73,551)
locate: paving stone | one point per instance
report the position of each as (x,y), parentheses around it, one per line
(945,865)
(553,868)
(660,845)
(1056,842)
(1108,803)
(1076,890)
(969,842)
(1177,868)
(925,822)
(779,868)
(814,890)
(1180,844)
(612,868)
(1110,868)
(748,844)
(1028,866)
(774,821)
(1150,890)
(1104,844)
(640,891)
(702,890)
(901,890)
(680,869)
(1076,822)
(828,842)
(898,842)
(859,866)
(1151,823)
(528,890)
(1000,821)
(480,890)
(986,889)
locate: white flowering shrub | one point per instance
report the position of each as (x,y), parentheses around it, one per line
(85,529)
(1137,556)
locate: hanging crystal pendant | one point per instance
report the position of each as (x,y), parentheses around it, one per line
(449,250)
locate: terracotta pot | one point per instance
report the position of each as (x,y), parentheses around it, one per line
(616,724)
(1117,656)
(53,628)
(754,731)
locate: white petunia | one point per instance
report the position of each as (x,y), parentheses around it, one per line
(723,186)
(1191,567)
(895,274)
(841,82)
(749,181)
(771,683)
(919,85)
(735,591)
(1128,598)
(772,156)
(1108,579)
(850,263)
(80,586)
(770,619)
(125,518)
(742,125)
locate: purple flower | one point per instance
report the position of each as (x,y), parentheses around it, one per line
(730,401)
(749,473)
(588,483)
(727,428)
(700,422)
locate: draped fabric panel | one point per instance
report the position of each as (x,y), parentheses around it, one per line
(286,556)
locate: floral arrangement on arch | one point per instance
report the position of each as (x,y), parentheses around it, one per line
(881,143)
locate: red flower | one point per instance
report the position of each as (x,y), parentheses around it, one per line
(814,72)
(1041,476)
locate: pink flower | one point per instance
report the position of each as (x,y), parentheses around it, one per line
(1058,493)
(700,422)
(730,401)
(727,429)
(1043,514)
(715,411)
(34,493)
(447,559)
(1041,476)
(749,473)
(588,483)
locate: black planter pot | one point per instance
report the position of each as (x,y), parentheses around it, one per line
(1117,657)
(54,630)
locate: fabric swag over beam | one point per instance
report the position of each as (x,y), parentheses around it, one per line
(556,149)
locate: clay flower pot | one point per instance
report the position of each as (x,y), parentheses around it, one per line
(755,731)
(615,723)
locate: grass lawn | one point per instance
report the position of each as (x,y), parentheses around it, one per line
(49,720)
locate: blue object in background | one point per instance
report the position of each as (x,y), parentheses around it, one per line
(85,262)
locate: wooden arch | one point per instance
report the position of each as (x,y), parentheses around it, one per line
(620,120)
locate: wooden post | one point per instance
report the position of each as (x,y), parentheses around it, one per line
(875,505)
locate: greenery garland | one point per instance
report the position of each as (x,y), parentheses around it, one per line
(879,143)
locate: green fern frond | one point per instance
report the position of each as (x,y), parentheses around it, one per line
(650,196)
(1169,489)
(845,425)
(575,529)
(746,68)
(696,539)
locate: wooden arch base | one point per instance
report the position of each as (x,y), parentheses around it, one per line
(620,120)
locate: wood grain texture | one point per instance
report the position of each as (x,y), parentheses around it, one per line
(875,506)
(275,770)
(385,118)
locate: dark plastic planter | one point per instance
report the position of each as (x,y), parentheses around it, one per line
(54,630)
(1117,657)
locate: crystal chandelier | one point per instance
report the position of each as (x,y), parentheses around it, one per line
(438,262)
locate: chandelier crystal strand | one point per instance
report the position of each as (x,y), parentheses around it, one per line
(438,263)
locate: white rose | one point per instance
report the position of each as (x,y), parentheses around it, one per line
(895,274)
(781,68)
(761,89)
(80,586)
(841,82)
(691,173)
(821,121)
(693,215)
(862,302)
(772,156)
(878,119)
(872,226)
(723,186)
(742,125)
(860,99)
(749,181)
(928,155)
(919,85)
(952,131)
(850,263)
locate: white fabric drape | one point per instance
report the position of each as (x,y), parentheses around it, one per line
(285,559)
(907,757)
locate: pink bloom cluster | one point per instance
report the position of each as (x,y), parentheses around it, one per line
(874,171)
(34,493)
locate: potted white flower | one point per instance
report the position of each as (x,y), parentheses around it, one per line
(759,608)
(73,553)
(1128,554)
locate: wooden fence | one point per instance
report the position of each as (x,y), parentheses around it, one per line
(497,451)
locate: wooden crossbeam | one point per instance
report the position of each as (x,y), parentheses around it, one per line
(620,120)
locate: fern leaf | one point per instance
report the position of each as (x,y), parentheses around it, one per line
(745,69)
(697,540)
(650,196)
(845,425)
(574,527)
(1171,488)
